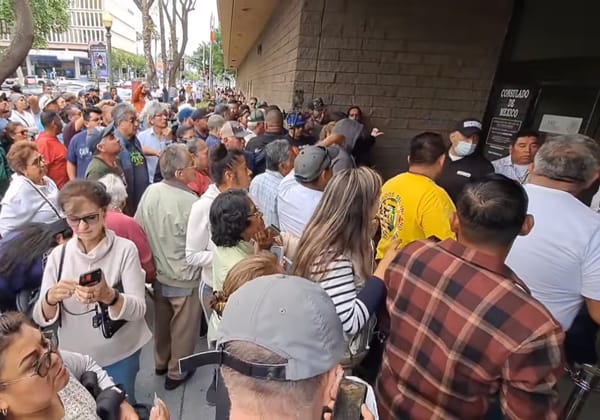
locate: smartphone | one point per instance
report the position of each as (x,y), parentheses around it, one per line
(275,230)
(278,251)
(91,278)
(351,396)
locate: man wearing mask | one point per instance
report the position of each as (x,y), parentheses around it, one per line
(463,164)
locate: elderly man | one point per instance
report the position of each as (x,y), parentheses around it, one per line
(163,213)
(132,158)
(280,354)
(215,122)
(523,148)
(154,138)
(560,260)
(264,187)
(301,190)
(467,340)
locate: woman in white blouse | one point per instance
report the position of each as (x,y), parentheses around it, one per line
(31,195)
(21,115)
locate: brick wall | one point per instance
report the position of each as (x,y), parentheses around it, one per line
(411,65)
(271,74)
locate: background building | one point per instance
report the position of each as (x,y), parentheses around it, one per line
(415,65)
(67,53)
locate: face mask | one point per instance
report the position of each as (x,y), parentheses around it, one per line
(464,148)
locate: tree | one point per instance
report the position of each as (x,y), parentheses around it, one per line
(29,23)
(177,16)
(126,60)
(49,16)
(149,30)
(201,56)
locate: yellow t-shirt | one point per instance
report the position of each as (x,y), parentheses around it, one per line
(413,207)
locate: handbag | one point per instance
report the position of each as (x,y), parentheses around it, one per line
(108,326)
(46,199)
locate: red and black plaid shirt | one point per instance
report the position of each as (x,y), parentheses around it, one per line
(465,332)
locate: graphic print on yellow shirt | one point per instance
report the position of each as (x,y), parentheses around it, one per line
(413,207)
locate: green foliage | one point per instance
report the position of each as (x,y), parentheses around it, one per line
(48,16)
(123,59)
(218,61)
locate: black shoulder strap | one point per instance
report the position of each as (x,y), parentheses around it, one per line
(62,262)
(46,199)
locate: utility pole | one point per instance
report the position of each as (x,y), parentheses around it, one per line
(210,59)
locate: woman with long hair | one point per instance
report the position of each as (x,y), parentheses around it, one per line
(336,248)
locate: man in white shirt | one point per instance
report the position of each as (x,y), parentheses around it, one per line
(301,190)
(154,138)
(523,148)
(265,187)
(560,259)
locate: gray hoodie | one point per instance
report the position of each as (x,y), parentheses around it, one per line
(351,130)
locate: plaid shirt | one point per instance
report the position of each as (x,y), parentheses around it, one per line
(465,333)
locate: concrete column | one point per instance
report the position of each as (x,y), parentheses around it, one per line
(30,70)
(77,68)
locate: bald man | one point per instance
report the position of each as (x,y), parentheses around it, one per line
(273,131)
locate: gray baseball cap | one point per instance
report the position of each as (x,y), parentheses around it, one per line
(311,161)
(287,315)
(215,122)
(95,136)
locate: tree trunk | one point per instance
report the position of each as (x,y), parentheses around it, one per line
(147,32)
(22,40)
(163,44)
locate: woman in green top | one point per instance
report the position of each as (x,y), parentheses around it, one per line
(238,231)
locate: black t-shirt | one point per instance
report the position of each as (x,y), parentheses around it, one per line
(255,151)
(456,174)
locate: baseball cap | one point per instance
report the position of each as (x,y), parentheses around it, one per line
(233,129)
(295,119)
(95,136)
(3,97)
(46,100)
(93,89)
(184,113)
(256,116)
(312,161)
(200,113)
(469,127)
(266,311)
(215,121)
(317,104)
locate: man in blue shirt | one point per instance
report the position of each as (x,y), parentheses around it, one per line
(78,154)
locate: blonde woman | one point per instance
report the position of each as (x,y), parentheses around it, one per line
(336,249)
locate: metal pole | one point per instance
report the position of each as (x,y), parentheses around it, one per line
(109,57)
(210,65)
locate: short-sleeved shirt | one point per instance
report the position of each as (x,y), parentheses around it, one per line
(55,156)
(79,154)
(98,168)
(464,331)
(149,139)
(560,258)
(458,172)
(413,207)
(295,205)
(263,190)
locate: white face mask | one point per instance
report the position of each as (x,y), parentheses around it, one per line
(464,148)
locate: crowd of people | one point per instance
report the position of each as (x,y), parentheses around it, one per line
(456,289)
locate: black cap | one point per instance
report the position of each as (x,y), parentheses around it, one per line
(3,97)
(469,127)
(199,114)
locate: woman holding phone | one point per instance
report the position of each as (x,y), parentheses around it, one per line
(93,287)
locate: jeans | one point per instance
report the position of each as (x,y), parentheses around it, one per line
(124,373)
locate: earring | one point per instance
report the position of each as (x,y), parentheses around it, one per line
(4,412)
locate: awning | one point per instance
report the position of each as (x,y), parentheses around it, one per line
(44,59)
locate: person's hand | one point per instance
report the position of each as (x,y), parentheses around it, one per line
(376,133)
(387,259)
(64,289)
(332,139)
(160,411)
(101,292)
(128,412)
(263,239)
(366,414)
(32,100)
(333,392)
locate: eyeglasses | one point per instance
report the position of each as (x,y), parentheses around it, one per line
(39,162)
(160,116)
(256,213)
(90,219)
(132,120)
(42,366)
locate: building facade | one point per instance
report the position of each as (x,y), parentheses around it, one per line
(416,65)
(67,53)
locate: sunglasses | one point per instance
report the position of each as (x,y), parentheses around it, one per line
(39,162)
